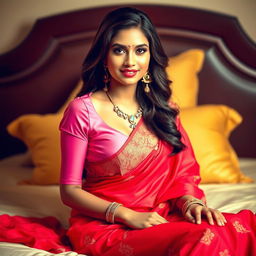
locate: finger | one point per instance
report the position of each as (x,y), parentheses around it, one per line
(153,219)
(207,212)
(157,221)
(198,212)
(189,217)
(148,225)
(220,219)
(162,221)
(224,219)
(154,222)
(160,218)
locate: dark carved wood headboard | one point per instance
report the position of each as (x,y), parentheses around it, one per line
(38,75)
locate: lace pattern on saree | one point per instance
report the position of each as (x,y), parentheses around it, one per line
(140,145)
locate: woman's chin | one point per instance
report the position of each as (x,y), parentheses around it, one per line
(126,82)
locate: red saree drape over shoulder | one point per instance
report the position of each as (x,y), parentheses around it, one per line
(142,176)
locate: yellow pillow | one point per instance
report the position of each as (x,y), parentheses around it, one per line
(209,127)
(41,135)
(182,71)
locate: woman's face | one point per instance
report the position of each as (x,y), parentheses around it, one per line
(128,57)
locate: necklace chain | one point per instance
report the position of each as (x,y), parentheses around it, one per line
(130,118)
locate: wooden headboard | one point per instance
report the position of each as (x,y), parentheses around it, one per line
(38,75)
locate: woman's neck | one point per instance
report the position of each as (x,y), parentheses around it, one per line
(124,95)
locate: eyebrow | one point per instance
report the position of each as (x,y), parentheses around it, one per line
(127,46)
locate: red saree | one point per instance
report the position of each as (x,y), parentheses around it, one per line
(143,177)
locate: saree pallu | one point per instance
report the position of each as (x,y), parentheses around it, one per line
(144,177)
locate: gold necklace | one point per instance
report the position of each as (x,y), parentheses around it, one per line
(130,118)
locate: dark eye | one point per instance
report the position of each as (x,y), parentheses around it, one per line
(141,50)
(118,51)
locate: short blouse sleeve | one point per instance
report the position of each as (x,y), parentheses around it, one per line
(74,128)
(75,120)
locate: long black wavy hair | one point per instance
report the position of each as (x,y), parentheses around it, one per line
(159,117)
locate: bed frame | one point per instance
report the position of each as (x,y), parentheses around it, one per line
(38,75)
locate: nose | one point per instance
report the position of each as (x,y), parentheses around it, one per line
(130,59)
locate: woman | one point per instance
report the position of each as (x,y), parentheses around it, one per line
(141,194)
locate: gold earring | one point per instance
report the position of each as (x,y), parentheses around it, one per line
(147,89)
(146,79)
(106,79)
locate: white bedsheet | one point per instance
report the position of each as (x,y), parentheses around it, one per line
(28,200)
(40,201)
(234,197)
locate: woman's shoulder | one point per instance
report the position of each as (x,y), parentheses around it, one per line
(79,104)
(76,117)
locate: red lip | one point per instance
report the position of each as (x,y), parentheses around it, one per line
(129,72)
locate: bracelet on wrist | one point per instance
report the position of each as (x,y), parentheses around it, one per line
(190,202)
(110,212)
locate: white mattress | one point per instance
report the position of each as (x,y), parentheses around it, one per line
(41,201)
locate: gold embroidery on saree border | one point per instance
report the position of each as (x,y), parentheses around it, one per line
(207,237)
(137,149)
(125,249)
(240,228)
(224,253)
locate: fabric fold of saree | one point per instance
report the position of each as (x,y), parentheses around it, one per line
(143,177)
(40,233)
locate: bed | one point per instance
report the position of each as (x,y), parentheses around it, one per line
(42,74)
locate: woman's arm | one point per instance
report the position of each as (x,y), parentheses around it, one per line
(73,154)
(188,179)
(75,197)
(93,206)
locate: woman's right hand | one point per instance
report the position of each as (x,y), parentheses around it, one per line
(139,220)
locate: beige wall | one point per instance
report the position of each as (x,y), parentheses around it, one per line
(18,16)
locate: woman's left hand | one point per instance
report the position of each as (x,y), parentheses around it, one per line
(195,212)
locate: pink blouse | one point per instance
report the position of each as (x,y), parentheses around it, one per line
(84,135)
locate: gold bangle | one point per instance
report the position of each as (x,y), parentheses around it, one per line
(110,212)
(107,214)
(188,203)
